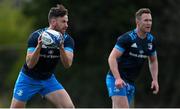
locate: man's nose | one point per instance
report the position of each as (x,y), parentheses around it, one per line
(66,24)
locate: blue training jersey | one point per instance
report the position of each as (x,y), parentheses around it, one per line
(135,51)
(49,56)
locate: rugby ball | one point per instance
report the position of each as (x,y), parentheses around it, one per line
(51,37)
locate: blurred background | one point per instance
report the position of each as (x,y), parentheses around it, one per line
(95,26)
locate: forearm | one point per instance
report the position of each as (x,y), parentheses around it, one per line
(153,65)
(114,68)
(65,59)
(33,58)
(154,69)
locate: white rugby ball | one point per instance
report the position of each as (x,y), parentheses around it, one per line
(50,37)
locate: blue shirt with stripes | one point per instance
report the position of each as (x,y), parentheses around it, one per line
(135,51)
(49,56)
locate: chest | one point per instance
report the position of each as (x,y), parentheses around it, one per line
(49,53)
(139,47)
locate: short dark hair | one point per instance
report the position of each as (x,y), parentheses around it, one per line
(58,11)
(142,11)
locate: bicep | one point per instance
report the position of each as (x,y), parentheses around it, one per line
(69,54)
(31,45)
(29,53)
(115,53)
(119,47)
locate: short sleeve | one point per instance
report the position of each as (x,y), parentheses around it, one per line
(121,43)
(152,46)
(69,43)
(32,42)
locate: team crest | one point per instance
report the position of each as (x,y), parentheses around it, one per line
(50,52)
(150,46)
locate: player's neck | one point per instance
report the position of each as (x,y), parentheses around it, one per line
(141,34)
(50,27)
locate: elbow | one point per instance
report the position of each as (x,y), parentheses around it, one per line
(30,66)
(68,65)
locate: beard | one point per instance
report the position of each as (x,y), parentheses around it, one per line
(147,30)
(61,30)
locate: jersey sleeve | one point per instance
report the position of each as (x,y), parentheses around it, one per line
(121,43)
(69,43)
(32,42)
(152,47)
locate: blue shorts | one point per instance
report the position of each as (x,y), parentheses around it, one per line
(26,87)
(127,90)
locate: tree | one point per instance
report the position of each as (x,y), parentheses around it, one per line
(14,31)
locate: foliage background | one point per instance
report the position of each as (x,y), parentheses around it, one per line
(94,25)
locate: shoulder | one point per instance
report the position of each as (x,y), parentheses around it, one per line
(150,37)
(35,34)
(128,36)
(67,37)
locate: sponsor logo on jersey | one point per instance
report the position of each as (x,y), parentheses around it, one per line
(49,56)
(137,55)
(51,47)
(134,45)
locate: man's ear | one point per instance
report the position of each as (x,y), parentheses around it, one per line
(137,21)
(53,22)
